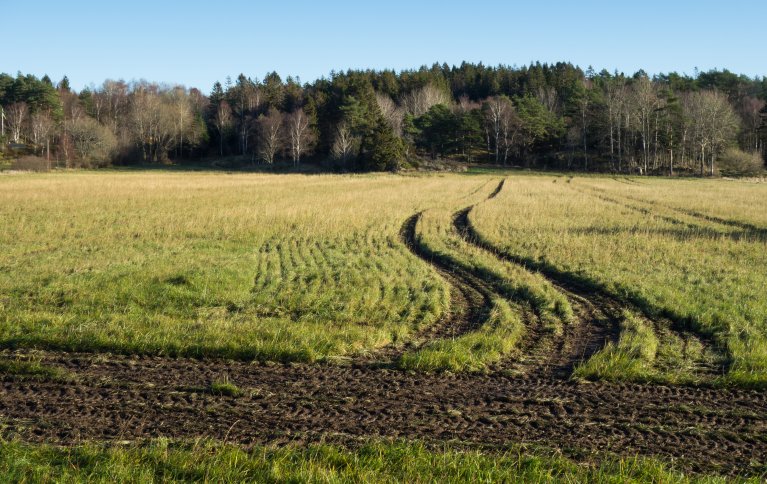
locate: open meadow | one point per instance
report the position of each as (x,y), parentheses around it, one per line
(242,326)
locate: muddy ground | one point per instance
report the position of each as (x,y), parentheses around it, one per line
(126,398)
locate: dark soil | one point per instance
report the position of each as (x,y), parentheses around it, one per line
(118,398)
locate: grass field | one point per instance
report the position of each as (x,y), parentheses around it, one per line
(652,242)
(492,274)
(300,268)
(270,267)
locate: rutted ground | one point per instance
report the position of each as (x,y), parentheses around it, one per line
(525,398)
(686,350)
(122,398)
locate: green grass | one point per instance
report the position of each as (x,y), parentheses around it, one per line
(473,351)
(632,358)
(702,275)
(643,354)
(225,388)
(438,237)
(247,266)
(32,369)
(205,461)
(307,268)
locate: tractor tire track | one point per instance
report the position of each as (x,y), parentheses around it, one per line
(744,231)
(749,229)
(116,398)
(544,353)
(470,301)
(598,312)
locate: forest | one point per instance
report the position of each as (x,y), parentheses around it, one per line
(540,116)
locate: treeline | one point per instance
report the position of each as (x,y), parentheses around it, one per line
(539,116)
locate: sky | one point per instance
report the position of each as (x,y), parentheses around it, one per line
(196,43)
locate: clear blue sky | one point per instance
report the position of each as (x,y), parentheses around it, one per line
(196,43)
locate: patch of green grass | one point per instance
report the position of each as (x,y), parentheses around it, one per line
(632,358)
(473,351)
(206,461)
(225,388)
(245,266)
(32,369)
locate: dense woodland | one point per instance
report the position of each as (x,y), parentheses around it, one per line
(540,116)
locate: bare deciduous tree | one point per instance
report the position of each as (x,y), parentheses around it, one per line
(392,113)
(92,141)
(345,144)
(42,129)
(269,135)
(615,93)
(155,120)
(299,134)
(181,106)
(503,125)
(418,101)
(549,97)
(16,116)
(646,101)
(713,123)
(222,121)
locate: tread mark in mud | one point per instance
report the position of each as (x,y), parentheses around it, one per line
(596,300)
(124,398)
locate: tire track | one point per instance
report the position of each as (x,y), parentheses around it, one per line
(598,312)
(119,398)
(750,229)
(544,353)
(745,230)
(470,301)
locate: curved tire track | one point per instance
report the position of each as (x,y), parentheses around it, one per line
(470,300)
(593,303)
(542,352)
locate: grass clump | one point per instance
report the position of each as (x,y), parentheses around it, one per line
(225,388)
(32,369)
(376,461)
(632,358)
(473,351)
